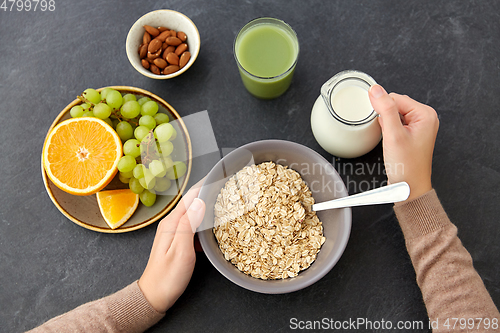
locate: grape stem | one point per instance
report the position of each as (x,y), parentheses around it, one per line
(149,156)
(84,100)
(116,113)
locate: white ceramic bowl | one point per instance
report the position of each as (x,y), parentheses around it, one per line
(325,184)
(169,19)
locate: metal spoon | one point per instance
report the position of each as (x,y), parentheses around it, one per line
(382,195)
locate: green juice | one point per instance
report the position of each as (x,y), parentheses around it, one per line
(266,52)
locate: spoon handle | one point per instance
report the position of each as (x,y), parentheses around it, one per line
(382,195)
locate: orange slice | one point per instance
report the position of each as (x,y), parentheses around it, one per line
(117,206)
(80,155)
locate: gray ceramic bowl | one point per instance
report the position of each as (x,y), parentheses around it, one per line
(325,184)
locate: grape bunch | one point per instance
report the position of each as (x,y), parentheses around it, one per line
(147,165)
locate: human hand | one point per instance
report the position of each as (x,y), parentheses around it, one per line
(409,131)
(172,258)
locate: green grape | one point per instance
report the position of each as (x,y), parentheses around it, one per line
(149,108)
(76,111)
(102,111)
(161,118)
(174,135)
(114,99)
(166,148)
(104,93)
(142,182)
(129,97)
(123,179)
(148,181)
(92,95)
(177,171)
(163,132)
(88,114)
(124,130)
(149,178)
(157,168)
(139,171)
(147,198)
(135,186)
(129,174)
(143,100)
(131,147)
(85,106)
(131,109)
(126,164)
(147,121)
(167,161)
(108,121)
(162,184)
(141,132)
(115,122)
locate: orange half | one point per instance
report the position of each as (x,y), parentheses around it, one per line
(117,206)
(81,155)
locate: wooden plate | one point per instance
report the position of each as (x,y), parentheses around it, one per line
(84,211)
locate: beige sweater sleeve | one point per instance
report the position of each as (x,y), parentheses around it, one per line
(451,287)
(124,311)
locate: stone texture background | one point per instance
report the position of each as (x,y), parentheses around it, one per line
(444,54)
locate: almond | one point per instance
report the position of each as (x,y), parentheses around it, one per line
(170,69)
(173,59)
(181,48)
(161,29)
(182,36)
(155,45)
(146,38)
(167,51)
(172,41)
(184,59)
(160,63)
(158,53)
(152,56)
(143,51)
(155,69)
(163,35)
(145,63)
(152,31)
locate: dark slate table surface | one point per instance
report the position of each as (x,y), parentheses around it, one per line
(444,54)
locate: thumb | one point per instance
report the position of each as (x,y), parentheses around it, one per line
(195,214)
(387,108)
(189,222)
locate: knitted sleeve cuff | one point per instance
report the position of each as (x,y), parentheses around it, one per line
(421,215)
(131,309)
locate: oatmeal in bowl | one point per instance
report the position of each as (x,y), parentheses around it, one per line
(259,230)
(264,223)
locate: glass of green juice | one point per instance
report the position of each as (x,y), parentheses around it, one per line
(266,51)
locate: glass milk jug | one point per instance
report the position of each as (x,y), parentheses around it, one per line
(342,119)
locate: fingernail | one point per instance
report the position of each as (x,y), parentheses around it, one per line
(195,205)
(377,91)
